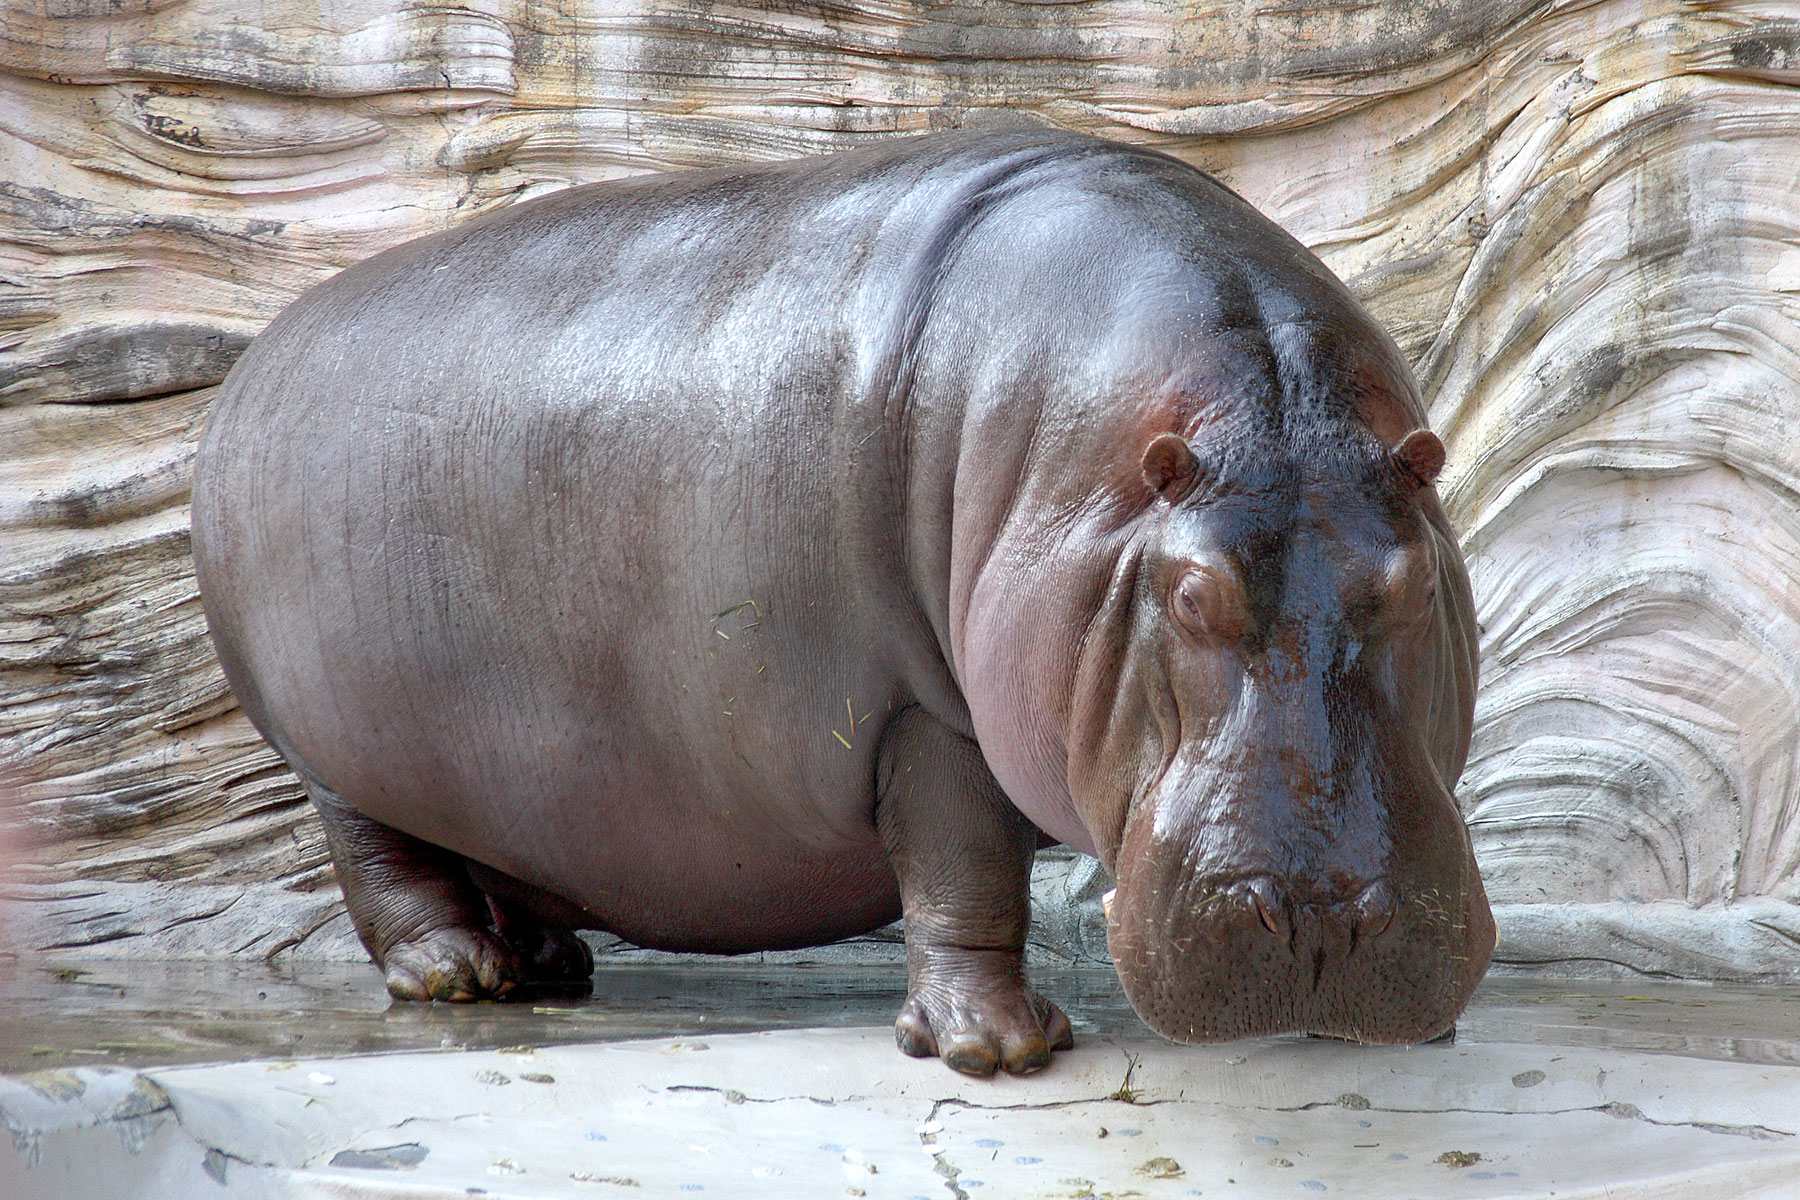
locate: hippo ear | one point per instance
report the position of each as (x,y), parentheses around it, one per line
(1421,455)
(1170,467)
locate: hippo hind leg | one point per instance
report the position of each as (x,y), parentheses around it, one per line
(538,926)
(548,953)
(434,933)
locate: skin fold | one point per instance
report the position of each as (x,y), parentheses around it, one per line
(740,559)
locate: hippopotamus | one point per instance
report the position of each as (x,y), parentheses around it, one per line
(740,559)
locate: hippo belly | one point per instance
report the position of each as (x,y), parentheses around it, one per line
(493,564)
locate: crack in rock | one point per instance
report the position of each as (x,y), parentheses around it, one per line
(478,1114)
(929,1128)
(733,1096)
(1043,1105)
(217,1159)
(1631,1112)
(1619,1109)
(943,1167)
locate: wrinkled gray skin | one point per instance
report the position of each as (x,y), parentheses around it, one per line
(738,559)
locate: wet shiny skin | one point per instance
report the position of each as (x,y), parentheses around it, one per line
(723,559)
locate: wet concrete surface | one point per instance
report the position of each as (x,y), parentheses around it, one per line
(751,1080)
(158,1013)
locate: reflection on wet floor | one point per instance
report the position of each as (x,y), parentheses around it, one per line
(145,1013)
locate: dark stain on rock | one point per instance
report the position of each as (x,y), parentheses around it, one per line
(403,1157)
(172,129)
(125,362)
(1599,371)
(1777,50)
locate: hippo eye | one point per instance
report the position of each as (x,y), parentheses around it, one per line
(1208,602)
(1412,586)
(1416,606)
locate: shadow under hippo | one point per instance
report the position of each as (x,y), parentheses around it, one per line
(738,559)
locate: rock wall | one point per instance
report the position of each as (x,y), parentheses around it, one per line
(1580,218)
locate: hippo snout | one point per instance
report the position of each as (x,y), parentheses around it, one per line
(1383,961)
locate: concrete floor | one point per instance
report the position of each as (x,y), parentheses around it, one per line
(309,1085)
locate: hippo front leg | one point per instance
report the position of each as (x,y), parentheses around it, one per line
(963,855)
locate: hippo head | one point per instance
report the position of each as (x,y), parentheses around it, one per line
(1270,712)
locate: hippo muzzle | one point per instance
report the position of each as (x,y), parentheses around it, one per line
(1277,935)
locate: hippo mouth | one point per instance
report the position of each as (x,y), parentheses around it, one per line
(1229,959)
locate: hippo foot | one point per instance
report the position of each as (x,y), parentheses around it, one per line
(550,954)
(977,1033)
(458,964)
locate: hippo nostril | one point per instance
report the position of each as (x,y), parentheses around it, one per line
(1372,912)
(1268,905)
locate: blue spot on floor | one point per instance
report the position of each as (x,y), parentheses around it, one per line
(1025,1160)
(1128,1132)
(989,1143)
(832,1148)
(972,1182)
(594,1137)
(1260,1140)
(1396,1157)
(1312,1185)
(693,1187)
(1509,1174)
(1481,1175)
(1364,1124)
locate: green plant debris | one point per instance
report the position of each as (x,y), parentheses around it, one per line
(42,1051)
(1126,1093)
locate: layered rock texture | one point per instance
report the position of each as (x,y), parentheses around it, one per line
(1581,220)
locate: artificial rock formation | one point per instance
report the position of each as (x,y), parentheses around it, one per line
(1578,217)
